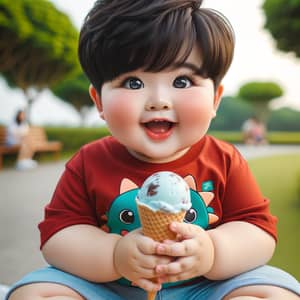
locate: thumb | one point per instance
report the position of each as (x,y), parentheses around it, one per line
(183,230)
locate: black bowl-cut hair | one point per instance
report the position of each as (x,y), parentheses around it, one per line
(119,36)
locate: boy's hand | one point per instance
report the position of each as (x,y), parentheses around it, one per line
(135,259)
(194,253)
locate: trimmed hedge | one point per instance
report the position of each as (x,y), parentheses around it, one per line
(75,137)
(284,137)
(274,137)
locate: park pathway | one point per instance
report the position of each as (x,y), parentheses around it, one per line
(23,197)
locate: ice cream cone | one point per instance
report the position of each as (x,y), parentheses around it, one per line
(155,224)
(163,198)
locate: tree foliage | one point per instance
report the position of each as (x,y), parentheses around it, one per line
(284,118)
(38,43)
(74,90)
(283,22)
(259,94)
(260,91)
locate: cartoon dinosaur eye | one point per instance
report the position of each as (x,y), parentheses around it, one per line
(126,216)
(190,216)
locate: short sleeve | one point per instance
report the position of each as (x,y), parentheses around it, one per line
(243,200)
(70,204)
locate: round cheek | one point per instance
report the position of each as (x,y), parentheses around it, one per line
(197,110)
(119,111)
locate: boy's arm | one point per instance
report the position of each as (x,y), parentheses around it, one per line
(83,250)
(239,246)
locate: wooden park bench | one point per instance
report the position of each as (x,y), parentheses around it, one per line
(39,141)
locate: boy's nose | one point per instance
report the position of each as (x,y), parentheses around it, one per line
(158,104)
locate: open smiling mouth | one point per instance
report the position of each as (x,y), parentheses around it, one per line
(159,129)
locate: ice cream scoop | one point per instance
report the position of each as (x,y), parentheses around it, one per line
(165,191)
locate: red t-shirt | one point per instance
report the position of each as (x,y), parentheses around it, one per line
(104,170)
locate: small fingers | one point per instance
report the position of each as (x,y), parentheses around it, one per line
(185,230)
(146,272)
(147,264)
(147,245)
(151,261)
(181,269)
(176,267)
(184,248)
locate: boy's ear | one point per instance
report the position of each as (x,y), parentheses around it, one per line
(97,100)
(217,98)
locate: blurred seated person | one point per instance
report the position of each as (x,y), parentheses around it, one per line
(254,132)
(18,134)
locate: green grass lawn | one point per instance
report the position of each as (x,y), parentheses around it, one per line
(279,179)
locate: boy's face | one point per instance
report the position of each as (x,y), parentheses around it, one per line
(159,116)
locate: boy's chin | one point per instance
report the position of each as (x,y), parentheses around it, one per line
(158,157)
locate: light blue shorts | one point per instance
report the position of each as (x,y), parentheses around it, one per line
(206,289)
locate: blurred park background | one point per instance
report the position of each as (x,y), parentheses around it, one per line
(39,71)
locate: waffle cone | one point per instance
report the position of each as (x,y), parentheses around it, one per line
(155,224)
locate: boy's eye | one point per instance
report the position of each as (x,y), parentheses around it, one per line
(133,83)
(182,82)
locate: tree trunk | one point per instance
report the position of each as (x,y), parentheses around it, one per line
(31,96)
